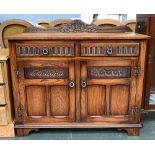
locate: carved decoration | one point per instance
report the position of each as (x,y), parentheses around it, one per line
(100,72)
(120,49)
(42,50)
(45,73)
(78,26)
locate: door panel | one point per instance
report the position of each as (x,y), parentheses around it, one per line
(45,93)
(119,104)
(36,100)
(96,100)
(59,101)
(110,90)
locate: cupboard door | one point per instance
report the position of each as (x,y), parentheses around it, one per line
(47,92)
(108,91)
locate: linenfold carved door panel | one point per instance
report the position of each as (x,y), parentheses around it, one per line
(108,91)
(46,91)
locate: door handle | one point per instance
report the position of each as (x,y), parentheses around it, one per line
(109,50)
(83,83)
(71,83)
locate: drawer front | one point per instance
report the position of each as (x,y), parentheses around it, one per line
(2,96)
(1,76)
(3,115)
(110,49)
(44,49)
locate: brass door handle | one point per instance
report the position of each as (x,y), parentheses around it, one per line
(83,83)
(71,83)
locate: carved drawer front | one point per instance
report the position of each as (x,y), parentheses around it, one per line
(2,95)
(1,76)
(44,49)
(3,115)
(110,49)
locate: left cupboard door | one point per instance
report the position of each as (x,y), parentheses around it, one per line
(46,92)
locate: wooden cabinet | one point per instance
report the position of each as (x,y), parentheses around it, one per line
(77,80)
(145,25)
(6,101)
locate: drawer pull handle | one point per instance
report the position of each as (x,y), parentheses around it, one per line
(83,83)
(109,50)
(45,51)
(71,83)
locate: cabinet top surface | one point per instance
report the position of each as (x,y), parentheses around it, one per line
(77,36)
(4,54)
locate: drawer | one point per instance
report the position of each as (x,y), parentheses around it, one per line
(110,49)
(2,95)
(3,115)
(1,74)
(44,49)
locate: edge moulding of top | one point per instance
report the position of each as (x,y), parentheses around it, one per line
(78,26)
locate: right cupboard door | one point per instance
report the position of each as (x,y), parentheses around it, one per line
(108,91)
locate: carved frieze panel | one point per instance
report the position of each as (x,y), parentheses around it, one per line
(78,26)
(44,50)
(103,72)
(45,73)
(107,49)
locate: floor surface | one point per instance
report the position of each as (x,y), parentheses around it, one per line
(146,133)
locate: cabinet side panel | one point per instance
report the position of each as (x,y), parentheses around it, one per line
(96,100)
(3,115)
(119,100)
(1,74)
(2,95)
(59,101)
(36,100)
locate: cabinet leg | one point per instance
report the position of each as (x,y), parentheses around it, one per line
(132,131)
(24,132)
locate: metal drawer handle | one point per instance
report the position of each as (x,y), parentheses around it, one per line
(71,83)
(109,50)
(45,51)
(83,83)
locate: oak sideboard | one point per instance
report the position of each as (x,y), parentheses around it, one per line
(77,76)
